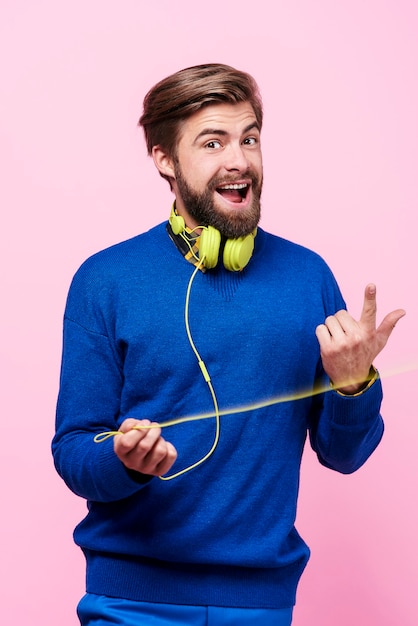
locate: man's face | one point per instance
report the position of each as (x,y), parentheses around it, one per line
(218,169)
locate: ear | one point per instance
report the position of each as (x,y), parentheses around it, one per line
(163,162)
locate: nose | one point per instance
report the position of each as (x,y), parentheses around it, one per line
(235,158)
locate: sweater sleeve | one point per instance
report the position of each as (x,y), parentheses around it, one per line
(91,384)
(345,430)
(88,403)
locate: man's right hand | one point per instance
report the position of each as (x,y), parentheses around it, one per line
(144,450)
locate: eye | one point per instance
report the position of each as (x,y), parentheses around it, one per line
(250,141)
(214,144)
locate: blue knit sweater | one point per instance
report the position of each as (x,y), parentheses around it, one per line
(222,534)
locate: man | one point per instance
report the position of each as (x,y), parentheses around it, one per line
(238,340)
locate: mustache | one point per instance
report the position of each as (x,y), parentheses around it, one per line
(218,181)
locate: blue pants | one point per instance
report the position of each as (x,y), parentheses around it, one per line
(96,610)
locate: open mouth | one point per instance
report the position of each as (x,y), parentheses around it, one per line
(234,192)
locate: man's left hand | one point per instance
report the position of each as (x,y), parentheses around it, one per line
(349,347)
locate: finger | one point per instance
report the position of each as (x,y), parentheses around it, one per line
(149,440)
(155,456)
(323,336)
(163,467)
(334,327)
(388,324)
(135,447)
(130,437)
(131,423)
(348,324)
(368,314)
(160,458)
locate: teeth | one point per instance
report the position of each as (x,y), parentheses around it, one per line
(240,186)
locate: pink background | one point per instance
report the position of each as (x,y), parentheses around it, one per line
(339,81)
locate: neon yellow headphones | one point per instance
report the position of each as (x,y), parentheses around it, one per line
(237,252)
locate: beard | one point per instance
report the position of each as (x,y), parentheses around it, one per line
(202,207)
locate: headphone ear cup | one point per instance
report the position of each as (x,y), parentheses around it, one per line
(177,223)
(238,252)
(209,243)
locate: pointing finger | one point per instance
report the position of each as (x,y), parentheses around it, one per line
(368,314)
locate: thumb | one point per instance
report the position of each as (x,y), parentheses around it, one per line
(387,325)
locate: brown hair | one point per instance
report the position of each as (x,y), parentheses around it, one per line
(178,96)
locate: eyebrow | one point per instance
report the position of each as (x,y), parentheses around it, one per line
(222,133)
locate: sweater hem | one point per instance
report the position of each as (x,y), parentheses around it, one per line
(149,580)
